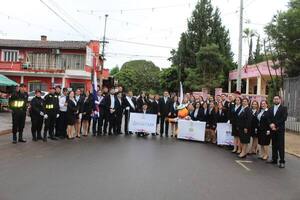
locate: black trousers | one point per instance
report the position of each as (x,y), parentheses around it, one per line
(36,126)
(49,126)
(94,125)
(61,124)
(119,117)
(103,122)
(127,117)
(278,146)
(163,124)
(112,123)
(18,121)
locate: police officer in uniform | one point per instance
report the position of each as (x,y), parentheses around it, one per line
(18,105)
(37,115)
(51,114)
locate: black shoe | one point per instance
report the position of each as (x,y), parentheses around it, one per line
(281,165)
(39,138)
(22,140)
(45,140)
(14,142)
(244,156)
(53,138)
(34,139)
(272,162)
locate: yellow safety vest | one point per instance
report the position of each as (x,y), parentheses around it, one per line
(18,104)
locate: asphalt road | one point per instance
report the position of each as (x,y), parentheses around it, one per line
(132,168)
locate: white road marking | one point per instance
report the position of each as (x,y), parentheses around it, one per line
(240,162)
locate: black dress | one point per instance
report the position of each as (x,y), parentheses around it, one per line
(87,108)
(254,124)
(244,122)
(71,112)
(234,120)
(263,127)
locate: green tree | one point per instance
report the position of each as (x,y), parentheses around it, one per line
(168,79)
(258,56)
(114,70)
(284,35)
(139,75)
(204,28)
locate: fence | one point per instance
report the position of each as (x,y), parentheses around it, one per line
(291,89)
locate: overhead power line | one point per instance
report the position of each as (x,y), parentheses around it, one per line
(140,43)
(136,55)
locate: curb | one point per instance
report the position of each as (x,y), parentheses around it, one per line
(293,154)
(5,132)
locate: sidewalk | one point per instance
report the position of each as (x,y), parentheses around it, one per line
(292,143)
(5,123)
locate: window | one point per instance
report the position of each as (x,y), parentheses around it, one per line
(37,85)
(72,61)
(10,55)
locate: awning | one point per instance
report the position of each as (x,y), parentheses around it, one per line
(4,81)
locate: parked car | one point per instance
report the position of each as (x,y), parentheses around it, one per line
(32,94)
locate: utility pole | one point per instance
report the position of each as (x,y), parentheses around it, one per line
(103,42)
(240,54)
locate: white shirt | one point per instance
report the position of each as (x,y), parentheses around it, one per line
(261,113)
(112,101)
(62,101)
(165,98)
(196,112)
(276,108)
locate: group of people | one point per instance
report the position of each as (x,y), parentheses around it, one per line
(70,114)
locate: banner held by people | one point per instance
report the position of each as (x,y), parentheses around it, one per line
(224,136)
(191,130)
(140,122)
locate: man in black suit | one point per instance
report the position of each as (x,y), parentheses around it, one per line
(119,112)
(103,113)
(165,104)
(278,116)
(130,106)
(110,105)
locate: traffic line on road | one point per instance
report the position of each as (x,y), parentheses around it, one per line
(241,163)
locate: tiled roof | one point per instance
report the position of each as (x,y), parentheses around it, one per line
(43,44)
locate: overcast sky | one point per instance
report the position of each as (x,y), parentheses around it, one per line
(129,20)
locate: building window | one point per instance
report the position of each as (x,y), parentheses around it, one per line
(37,85)
(10,55)
(72,61)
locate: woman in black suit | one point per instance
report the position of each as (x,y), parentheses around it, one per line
(211,122)
(141,101)
(235,109)
(244,125)
(221,113)
(264,136)
(87,109)
(173,116)
(72,110)
(198,113)
(254,126)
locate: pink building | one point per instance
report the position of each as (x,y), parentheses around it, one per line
(256,78)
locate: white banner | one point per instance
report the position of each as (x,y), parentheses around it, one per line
(89,57)
(140,122)
(191,130)
(224,136)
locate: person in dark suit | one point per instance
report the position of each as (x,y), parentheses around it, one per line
(225,102)
(72,110)
(37,113)
(103,114)
(198,113)
(174,114)
(110,104)
(254,127)
(221,113)
(278,116)
(79,103)
(235,109)
(211,123)
(87,109)
(165,104)
(119,111)
(130,106)
(263,130)
(244,124)
(141,100)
